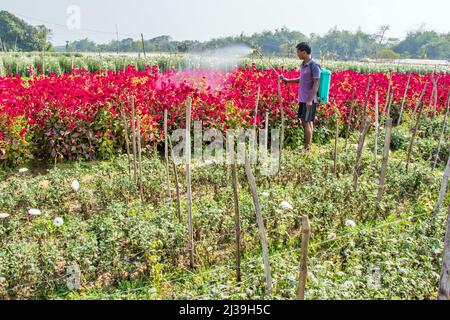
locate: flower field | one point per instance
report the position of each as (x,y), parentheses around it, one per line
(77,115)
(129,240)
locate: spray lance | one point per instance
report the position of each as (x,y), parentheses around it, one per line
(262,57)
(256,51)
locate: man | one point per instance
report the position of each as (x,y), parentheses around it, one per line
(307,96)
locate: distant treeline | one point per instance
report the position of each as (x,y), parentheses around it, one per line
(17,35)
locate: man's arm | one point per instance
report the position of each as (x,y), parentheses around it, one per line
(314,91)
(296,80)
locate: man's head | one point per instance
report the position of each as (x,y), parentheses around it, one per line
(303,51)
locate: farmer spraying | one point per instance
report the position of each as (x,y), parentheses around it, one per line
(310,78)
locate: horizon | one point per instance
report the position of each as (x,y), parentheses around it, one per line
(203,20)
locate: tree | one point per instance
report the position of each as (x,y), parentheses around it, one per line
(19,35)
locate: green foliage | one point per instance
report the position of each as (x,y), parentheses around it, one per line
(17,35)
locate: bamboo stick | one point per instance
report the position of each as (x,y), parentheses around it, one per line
(336,140)
(443,189)
(166,154)
(404,99)
(420,99)
(139,146)
(388,94)
(444,127)
(306,234)
(127,139)
(280,98)
(260,221)
(377,129)
(188,182)
(384,167)
(349,120)
(237,222)
(133,137)
(362,139)
(411,145)
(388,114)
(177,186)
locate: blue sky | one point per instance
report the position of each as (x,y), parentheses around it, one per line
(206,19)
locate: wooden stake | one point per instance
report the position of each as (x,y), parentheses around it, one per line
(404,99)
(362,113)
(166,154)
(349,120)
(188,183)
(420,99)
(127,140)
(336,140)
(443,189)
(139,145)
(237,221)
(411,145)
(177,186)
(260,221)
(444,127)
(377,129)
(388,114)
(362,138)
(384,167)
(444,286)
(253,145)
(434,94)
(256,109)
(133,137)
(388,94)
(306,234)
(280,98)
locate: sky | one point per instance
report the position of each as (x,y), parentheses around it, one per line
(206,19)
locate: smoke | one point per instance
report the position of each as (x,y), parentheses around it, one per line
(224,58)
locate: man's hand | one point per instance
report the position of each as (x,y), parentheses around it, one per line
(284,79)
(309,103)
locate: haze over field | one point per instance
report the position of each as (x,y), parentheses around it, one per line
(203,19)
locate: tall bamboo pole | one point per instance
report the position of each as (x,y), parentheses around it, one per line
(411,144)
(237,221)
(177,185)
(188,182)
(133,137)
(349,120)
(280,98)
(127,139)
(260,221)
(377,129)
(336,140)
(139,146)
(362,138)
(404,99)
(166,154)
(384,167)
(443,189)
(444,127)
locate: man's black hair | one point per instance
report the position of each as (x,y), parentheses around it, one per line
(304,47)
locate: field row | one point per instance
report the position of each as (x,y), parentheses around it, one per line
(29,63)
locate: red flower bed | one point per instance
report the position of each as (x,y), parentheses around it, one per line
(77,115)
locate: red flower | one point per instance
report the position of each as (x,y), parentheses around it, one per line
(23,132)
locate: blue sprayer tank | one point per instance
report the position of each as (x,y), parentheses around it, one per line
(324,86)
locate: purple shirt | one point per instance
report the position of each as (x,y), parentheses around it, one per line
(307,76)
